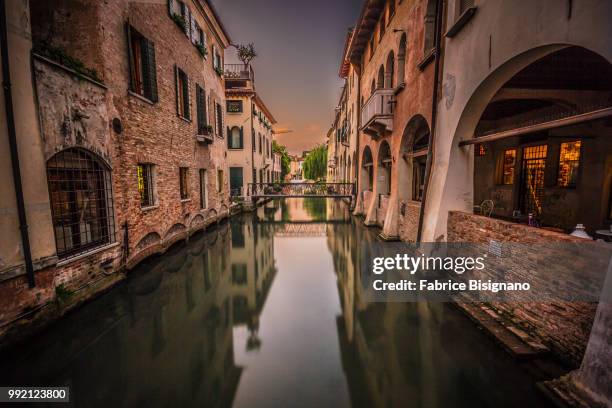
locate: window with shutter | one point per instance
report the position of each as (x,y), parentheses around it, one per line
(182,94)
(201,110)
(219,112)
(143,69)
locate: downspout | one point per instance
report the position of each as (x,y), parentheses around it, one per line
(12,136)
(358,161)
(253,140)
(434,114)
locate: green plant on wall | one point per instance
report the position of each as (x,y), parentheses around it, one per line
(60,56)
(62,294)
(202,50)
(180,21)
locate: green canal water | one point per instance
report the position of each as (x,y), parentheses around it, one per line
(266,311)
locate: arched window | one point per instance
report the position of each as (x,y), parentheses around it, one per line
(81,201)
(373,87)
(390,71)
(235,140)
(430,25)
(367,174)
(401,60)
(380,81)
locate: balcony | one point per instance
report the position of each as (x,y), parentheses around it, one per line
(377,113)
(238,72)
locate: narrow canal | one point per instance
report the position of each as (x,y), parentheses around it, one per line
(266,311)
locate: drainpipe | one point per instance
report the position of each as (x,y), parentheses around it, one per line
(358,161)
(434,114)
(253,141)
(12,135)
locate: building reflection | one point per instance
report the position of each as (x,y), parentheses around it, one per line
(165,337)
(413,354)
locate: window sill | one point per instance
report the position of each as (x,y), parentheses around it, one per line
(235,148)
(185,200)
(184,118)
(463,19)
(86,254)
(427,59)
(234,113)
(139,96)
(149,208)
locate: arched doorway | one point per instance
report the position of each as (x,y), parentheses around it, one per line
(383,178)
(401,60)
(390,71)
(367,170)
(412,161)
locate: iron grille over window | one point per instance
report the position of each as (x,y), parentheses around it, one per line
(569,161)
(234,106)
(81,202)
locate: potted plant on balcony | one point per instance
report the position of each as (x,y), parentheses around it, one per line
(246,53)
(219,70)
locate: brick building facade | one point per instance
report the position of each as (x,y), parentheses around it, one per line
(131,111)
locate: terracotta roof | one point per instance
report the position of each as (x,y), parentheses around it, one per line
(370,14)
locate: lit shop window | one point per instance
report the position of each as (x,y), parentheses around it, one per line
(569,161)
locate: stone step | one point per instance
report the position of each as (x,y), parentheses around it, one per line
(514,340)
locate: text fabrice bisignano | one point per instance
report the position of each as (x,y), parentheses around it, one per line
(451,286)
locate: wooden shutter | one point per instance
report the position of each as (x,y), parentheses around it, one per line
(187,22)
(149,70)
(128,32)
(229,138)
(176,90)
(201,108)
(186,99)
(170,7)
(242,137)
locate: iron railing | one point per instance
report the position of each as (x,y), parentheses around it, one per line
(238,71)
(379,104)
(301,190)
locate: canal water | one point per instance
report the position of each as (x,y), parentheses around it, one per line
(266,311)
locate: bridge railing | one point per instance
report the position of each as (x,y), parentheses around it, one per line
(301,189)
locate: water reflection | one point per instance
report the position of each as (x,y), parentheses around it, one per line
(267,311)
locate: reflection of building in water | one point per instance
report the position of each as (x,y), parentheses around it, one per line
(163,339)
(393,353)
(252,272)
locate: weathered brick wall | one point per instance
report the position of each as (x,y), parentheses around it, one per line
(409,220)
(563,326)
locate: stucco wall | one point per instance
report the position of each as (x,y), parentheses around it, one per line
(494,50)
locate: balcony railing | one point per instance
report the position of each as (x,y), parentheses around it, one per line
(379,104)
(239,72)
(377,113)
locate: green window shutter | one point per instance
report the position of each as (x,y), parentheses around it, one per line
(150,71)
(229,138)
(128,32)
(242,137)
(186,97)
(201,108)
(176,89)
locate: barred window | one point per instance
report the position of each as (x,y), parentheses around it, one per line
(145,185)
(569,161)
(81,202)
(184,182)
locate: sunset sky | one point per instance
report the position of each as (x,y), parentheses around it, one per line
(299,45)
